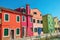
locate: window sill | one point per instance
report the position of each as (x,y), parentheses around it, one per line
(6,36)
(17,34)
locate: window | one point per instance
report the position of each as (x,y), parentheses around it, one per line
(6,17)
(23,18)
(32,29)
(38,21)
(17,31)
(33,20)
(41,22)
(35,29)
(35,13)
(5,32)
(18,18)
(22,31)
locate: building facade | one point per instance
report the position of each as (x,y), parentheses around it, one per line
(59,25)
(56,25)
(48,24)
(15,24)
(27,24)
(10,24)
(37,22)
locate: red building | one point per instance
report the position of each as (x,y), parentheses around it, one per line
(10,24)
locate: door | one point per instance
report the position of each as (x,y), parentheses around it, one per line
(39,31)
(23,31)
(12,34)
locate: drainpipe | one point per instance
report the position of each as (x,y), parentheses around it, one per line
(28,13)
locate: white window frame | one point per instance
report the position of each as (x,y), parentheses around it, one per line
(8,17)
(8,32)
(16,18)
(24,18)
(19,32)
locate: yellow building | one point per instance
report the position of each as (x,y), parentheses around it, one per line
(59,25)
(56,25)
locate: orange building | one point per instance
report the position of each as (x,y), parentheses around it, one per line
(37,21)
(10,24)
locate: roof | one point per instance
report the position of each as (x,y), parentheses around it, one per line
(7,9)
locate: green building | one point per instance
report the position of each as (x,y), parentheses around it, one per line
(48,24)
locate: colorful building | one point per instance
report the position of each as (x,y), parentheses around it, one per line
(27,25)
(48,24)
(37,21)
(10,24)
(15,24)
(59,25)
(56,25)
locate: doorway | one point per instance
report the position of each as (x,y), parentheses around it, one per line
(12,34)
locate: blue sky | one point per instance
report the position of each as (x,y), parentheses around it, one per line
(45,6)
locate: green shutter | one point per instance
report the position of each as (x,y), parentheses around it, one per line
(6,17)
(17,18)
(17,32)
(5,32)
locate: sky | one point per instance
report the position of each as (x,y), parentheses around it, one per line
(45,6)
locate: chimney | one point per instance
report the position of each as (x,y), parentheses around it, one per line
(28,9)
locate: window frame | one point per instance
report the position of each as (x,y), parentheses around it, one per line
(36,31)
(16,18)
(8,32)
(16,32)
(8,17)
(24,18)
(34,21)
(41,21)
(38,21)
(24,34)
